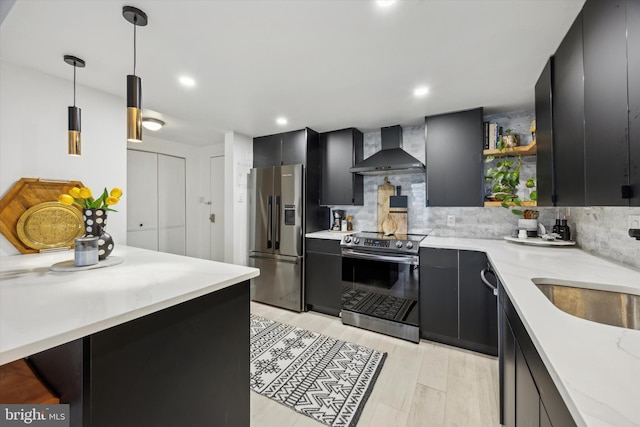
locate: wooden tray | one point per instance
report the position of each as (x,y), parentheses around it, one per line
(26,193)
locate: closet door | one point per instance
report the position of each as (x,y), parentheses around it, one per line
(171,204)
(142,199)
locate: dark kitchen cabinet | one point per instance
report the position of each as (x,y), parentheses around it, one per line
(340,150)
(544,136)
(595,138)
(323,276)
(545,421)
(291,148)
(288,148)
(507,367)
(605,102)
(568,118)
(528,395)
(439,294)
(456,307)
(294,147)
(159,369)
(633,78)
(267,151)
(455,168)
(478,305)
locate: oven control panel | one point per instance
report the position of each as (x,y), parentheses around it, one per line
(377,243)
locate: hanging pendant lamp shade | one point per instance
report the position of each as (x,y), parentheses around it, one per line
(73,133)
(134,83)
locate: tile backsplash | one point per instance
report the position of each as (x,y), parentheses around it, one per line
(598,230)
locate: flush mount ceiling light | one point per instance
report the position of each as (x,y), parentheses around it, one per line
(151,123)
(74,139)
(187,81)
(281,121)
(420,91)
(134,83)
(385,3)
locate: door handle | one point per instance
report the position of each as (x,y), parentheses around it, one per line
(212,218)
(486,282)
(277,222)
(270,220)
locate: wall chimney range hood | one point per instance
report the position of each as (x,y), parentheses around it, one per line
(392,159)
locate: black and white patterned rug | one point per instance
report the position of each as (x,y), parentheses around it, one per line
(323,378)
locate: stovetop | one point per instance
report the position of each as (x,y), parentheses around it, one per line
(394,243)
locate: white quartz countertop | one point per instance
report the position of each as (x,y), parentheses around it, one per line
(595,367)
(328,235)
(40,309)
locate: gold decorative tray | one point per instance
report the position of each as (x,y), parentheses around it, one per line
(50,225)
(25,194)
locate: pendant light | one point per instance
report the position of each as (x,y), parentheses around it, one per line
(134,83)
(74,140)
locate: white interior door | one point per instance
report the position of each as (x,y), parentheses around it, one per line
(216,212)
(142,199)
(172,204)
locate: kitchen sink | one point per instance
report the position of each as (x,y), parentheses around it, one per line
(583,300)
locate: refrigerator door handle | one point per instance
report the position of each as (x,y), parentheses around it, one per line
(270,221)
(277,237)
(280,258)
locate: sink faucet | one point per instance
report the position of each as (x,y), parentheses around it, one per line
(634,232)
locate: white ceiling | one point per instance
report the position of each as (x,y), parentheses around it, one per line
(325,64)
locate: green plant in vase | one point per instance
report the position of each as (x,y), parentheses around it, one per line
(505,176)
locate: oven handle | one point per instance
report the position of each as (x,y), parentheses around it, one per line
(398,259)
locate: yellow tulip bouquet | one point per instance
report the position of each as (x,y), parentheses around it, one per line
(83,198)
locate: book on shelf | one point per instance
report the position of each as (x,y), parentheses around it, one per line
(493,136)
(485,135)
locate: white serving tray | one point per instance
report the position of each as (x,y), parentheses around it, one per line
(69,265)
(537,241)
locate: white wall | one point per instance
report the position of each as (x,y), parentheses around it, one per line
(33,137)
(238,152)
(197,191)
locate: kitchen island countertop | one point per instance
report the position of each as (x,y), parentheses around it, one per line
(595,367)
(41,309)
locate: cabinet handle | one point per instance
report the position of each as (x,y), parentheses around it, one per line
(486,282)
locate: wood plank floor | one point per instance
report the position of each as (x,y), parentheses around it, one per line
(427,384)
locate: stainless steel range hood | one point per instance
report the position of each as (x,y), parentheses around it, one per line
(392,159)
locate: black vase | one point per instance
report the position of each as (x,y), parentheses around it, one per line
(95,222)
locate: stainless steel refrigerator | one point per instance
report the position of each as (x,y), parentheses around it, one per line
(276,235)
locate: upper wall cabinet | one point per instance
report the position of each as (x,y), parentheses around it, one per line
(568,118)
(454,162)
(339,151)
(633,79)
(606,116)
(288,148)
(544,135)
(596,109)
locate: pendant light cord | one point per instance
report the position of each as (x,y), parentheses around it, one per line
(135,24)
(74,84)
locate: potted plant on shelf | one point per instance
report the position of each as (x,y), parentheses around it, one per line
(510,140)
(505,176)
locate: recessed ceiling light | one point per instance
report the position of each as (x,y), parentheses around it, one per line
(151,123)
(281,121)
(187,81)
(385,3)
(421,91)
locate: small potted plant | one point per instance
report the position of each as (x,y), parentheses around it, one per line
(510,140)
(506,179)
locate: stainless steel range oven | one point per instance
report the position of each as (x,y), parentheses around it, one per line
(380,283)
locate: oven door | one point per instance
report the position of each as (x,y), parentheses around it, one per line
(382,286)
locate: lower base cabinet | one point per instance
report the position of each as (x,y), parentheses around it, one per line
(456,307)
(323,276)
(528,396)
(185,365)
